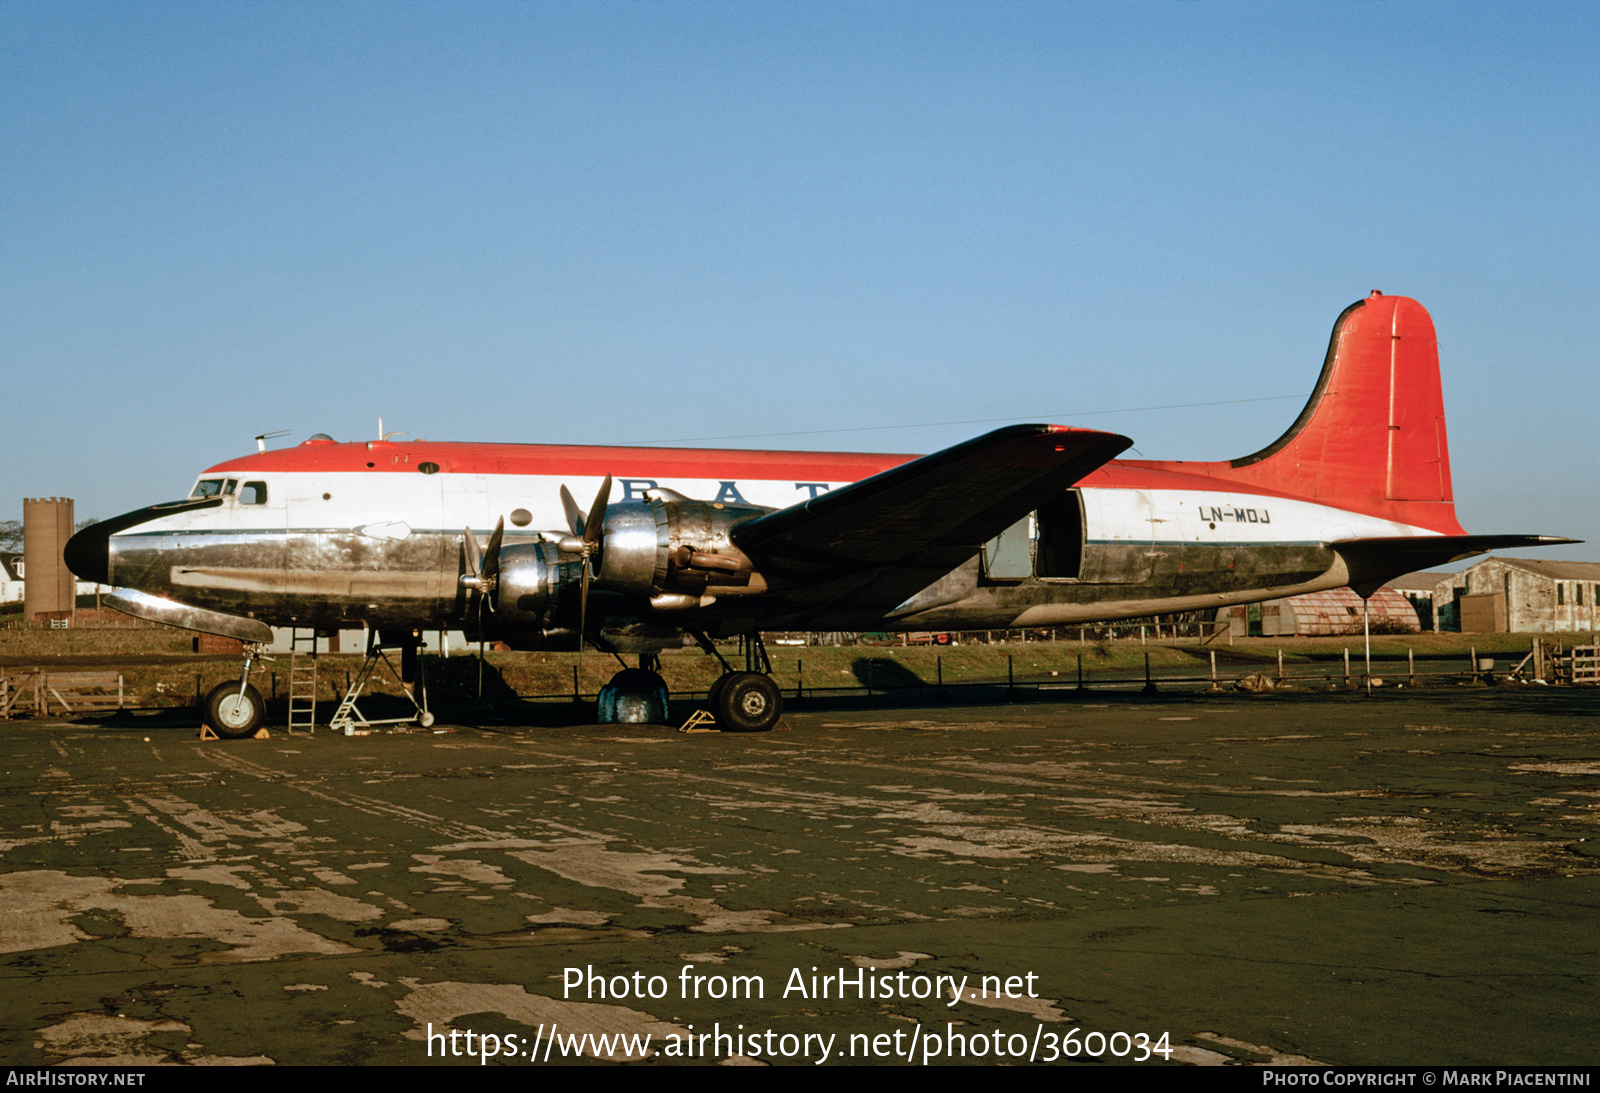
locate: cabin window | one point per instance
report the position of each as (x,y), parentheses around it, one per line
(254,493)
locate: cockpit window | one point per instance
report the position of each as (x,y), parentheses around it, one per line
(253,493)
(207,487)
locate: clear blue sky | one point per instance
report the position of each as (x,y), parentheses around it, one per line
(625,223)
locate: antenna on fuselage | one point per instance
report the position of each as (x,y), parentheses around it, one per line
(385,436)
(261,441)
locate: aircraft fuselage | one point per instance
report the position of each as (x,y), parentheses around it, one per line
(329,535)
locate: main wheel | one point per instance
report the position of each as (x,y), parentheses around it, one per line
(748,702)
(635,696)
(233,714)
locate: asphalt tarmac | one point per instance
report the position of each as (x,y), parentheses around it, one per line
(1409,878)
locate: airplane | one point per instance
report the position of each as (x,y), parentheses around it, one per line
(1031,525)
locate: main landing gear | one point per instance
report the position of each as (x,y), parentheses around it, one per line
(747,701)
(740,701)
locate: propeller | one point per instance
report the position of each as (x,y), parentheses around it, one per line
(585,542)
(483,568)
(590,530)
(483,574)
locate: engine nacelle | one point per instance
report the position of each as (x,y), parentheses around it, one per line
(670,547)
(537,605)
(538,589)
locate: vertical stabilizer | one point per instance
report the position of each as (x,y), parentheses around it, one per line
(1372,437)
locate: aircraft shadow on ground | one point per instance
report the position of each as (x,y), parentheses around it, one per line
(884,674)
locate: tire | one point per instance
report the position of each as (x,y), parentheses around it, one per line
(748,702)
(232,715)
(635,696)
(715,690)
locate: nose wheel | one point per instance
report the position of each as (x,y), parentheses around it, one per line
(234,712)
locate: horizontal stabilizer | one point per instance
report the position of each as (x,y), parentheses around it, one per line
(1373,561)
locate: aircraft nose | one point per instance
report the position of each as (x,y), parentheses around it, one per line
(88,553)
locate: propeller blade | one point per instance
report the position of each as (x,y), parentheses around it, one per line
(474,556)
(574,513)
(583,605)
(491,556)
(595,524)
(584,541)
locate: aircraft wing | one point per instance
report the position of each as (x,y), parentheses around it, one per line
(881,540)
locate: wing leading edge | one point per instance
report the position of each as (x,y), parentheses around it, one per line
(884,538)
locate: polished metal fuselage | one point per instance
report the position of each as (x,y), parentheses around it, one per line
(339,550)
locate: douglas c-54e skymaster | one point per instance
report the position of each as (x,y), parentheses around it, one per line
(1030,525)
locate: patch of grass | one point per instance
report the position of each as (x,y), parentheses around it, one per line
(162,672)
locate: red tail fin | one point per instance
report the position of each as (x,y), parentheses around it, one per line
(1372,438)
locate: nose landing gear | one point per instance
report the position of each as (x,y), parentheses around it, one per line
(234,711)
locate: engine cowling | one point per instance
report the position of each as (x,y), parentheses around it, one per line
(676,551)
(538,589)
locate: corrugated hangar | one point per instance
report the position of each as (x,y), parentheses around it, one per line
(1519,595)
(1321,614)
